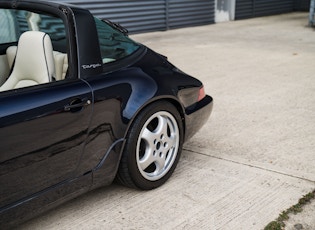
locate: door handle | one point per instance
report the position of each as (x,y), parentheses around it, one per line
(77,104)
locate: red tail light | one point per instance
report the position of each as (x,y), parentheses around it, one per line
(202,93)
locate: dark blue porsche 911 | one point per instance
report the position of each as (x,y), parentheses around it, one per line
(83,104)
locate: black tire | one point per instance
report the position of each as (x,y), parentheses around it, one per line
(153,147)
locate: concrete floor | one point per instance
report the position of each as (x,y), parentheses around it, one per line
(256,155)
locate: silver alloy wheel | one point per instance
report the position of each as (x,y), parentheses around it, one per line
(157,145)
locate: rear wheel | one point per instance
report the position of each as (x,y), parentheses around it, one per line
(153,147)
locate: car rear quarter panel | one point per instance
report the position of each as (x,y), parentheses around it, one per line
(180,89)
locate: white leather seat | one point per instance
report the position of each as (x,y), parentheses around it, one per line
(11,53)
(61,65)
(34,62)
(61,62)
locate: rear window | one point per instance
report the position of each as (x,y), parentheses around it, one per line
(8,24)
(114,45)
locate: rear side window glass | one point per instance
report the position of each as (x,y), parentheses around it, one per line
(114,45)
(15,22)
(9,29)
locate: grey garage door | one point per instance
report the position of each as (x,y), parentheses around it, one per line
(151,15)
(257,8)
(183,13)
(302,5)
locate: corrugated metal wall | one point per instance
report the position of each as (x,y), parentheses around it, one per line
(151,15)
(302,5)
(182,13)
(244,9)
(257,8)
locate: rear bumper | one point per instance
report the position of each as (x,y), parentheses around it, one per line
(197,115)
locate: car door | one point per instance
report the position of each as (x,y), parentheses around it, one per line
(42,135)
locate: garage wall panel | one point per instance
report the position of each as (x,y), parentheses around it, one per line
(244,9)
(257,8)
(151,15)
(302,5)
(137,16)
(183,13)
(270,7)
